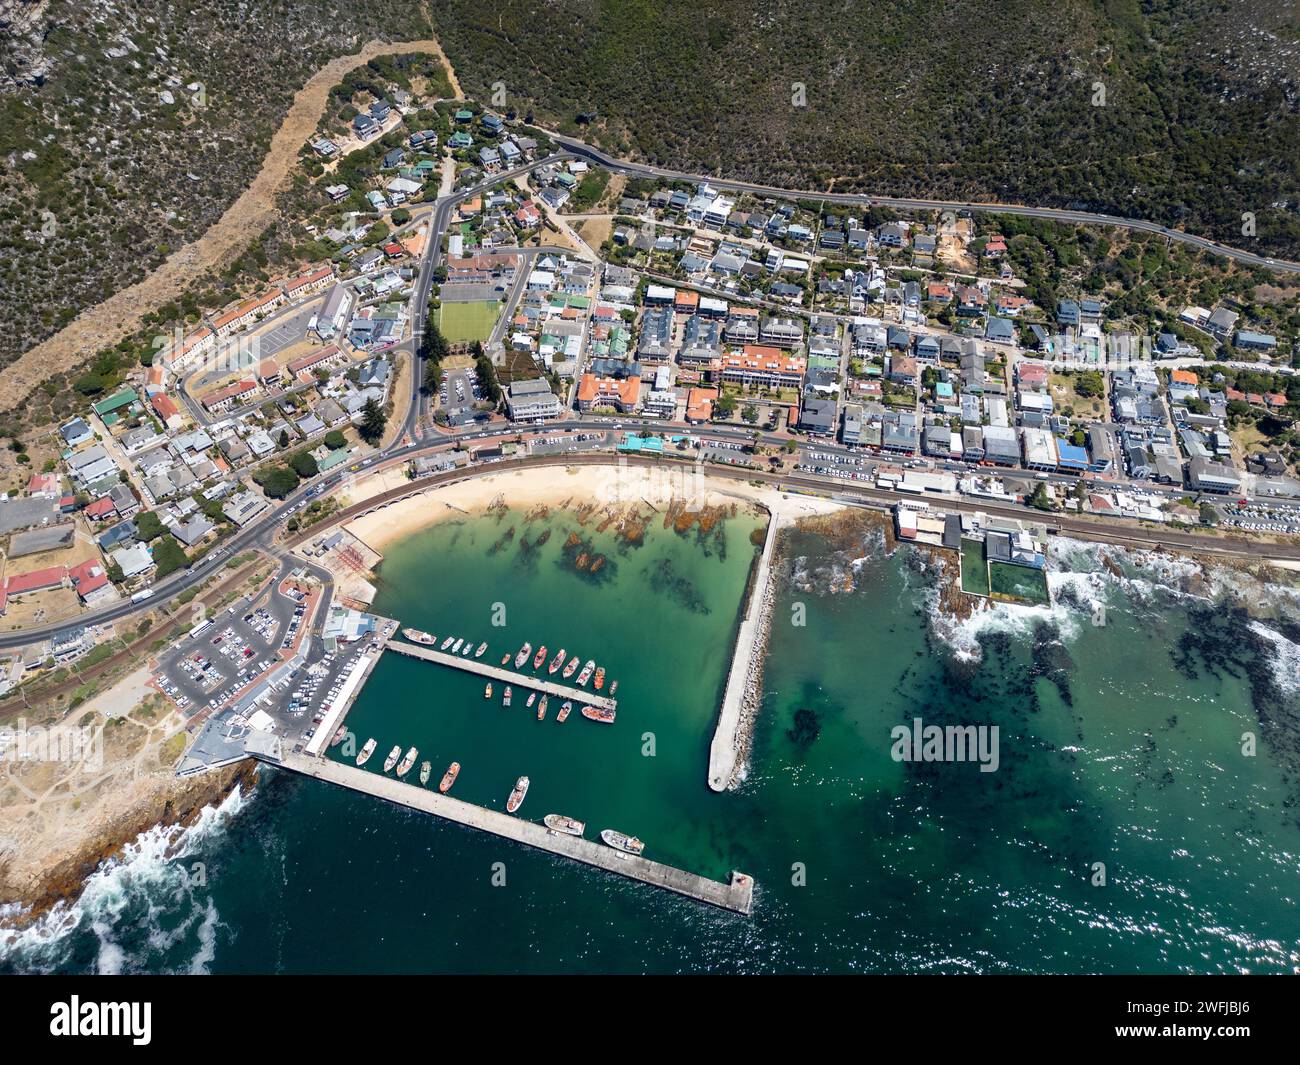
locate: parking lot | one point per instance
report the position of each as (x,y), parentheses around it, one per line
(457,395)
(209,665)
(1258,517)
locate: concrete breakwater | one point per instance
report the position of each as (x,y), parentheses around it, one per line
(736,895)
(731,739)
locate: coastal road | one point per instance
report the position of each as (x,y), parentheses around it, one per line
(624,166)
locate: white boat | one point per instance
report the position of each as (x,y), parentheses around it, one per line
(455,647)
(478,651)
(620,841)
(517,796)
(567,825)
(392,758)
(407,762)
(366,752)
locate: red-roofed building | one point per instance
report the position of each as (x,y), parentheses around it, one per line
(995,246)
(36,581)
(45,486)
(305,364)
(167,409)
(1275,400)
(763,367)
(312,281)
(91,582)
(101,509)
(223,398)
(699,404)
(623,394)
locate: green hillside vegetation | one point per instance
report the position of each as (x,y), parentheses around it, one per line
(975,99)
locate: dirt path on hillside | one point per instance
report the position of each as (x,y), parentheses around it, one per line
(117,317)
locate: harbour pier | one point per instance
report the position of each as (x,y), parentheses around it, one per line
(736,895)
(526,681)
(725,747)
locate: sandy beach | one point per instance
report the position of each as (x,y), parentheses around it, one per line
(553,485)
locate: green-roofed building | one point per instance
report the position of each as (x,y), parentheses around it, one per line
(116,402)
(464,115)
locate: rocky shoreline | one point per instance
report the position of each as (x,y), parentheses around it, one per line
(61,878)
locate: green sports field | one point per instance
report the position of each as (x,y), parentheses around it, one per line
(468,321)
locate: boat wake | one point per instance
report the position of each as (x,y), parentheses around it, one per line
(138,912)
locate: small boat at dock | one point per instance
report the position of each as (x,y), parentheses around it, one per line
(487,690)
(598,713)
(523,654)
(585,675)
(419,636)
(338,736)
(620,841)
(446,643)
(469,649)
(392,758)
(517,796)
(541,709)
(478,651)
(532,698)
(505,659)
(425,769)
(506,700)
(571,668)
(455,647)
(613,689)
(540,657)
(449,777)
(366,752)
(565,708)
(407,762)
(600,677)
(556,662)
(567,825)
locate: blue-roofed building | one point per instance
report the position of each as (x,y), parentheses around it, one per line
(1069,457)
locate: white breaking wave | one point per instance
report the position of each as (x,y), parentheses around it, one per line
(153,894)
(1286,658)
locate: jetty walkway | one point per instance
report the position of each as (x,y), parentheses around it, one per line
(527,681)
(736,896)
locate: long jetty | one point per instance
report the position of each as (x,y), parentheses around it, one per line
(736,895)
(505,676)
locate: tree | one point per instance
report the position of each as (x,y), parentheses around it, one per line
(304,465)
(168,555)
(373,420)
(335,440)
(750,413)
(284,437)
(277,481)
(148,527)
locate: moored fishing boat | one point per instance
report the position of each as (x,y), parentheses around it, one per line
(523,654)
(563,715)
(478,651)
(541,709)
(620,841)
(571,668)
(532,698)
(407,761)
(613,688)
(505,658)
(425,769)
(487,690)
(598,713)
(517,796)
(338,736)
(600,677)
(392,758)
(455,647)
(585,675)
(540,657)
(446,643)
(469,649)
(556,662)
(449,777)
(419,636)
(366,752)
(560,823)
(506,700)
